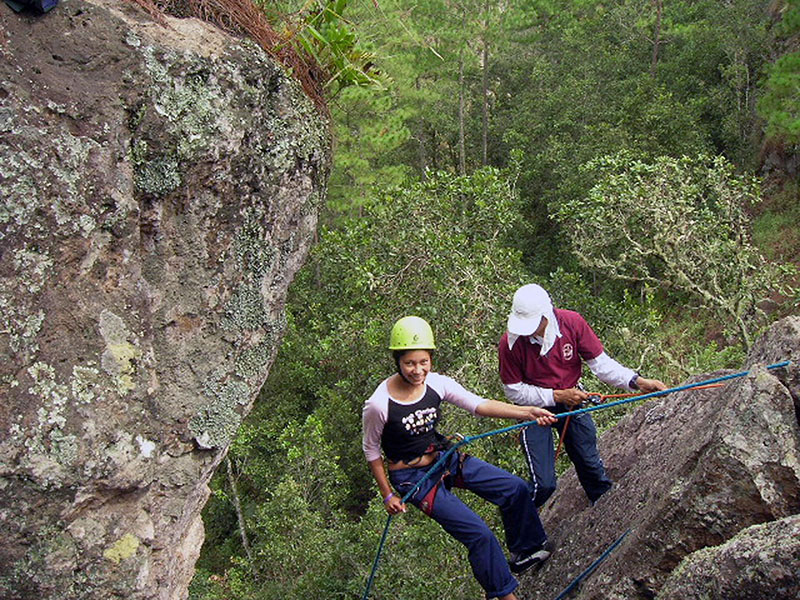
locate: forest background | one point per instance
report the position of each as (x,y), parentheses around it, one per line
(637,158)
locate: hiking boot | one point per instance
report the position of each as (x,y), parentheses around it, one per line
(519,563)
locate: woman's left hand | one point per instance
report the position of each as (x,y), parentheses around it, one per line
(395,506)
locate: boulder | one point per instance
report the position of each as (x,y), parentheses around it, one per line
(763,561)
(692,470)
(160,186)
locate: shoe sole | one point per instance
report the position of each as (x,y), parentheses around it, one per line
(536,560)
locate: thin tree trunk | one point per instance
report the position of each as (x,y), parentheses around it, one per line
(656,38)
(423,153)
(238,507)
(485,84)
(317,268)
(462,150)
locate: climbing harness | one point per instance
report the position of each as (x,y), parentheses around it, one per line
(626,398)
(575,582)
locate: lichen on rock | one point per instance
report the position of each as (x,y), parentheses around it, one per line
(121,352)
(762,561)
(160,190)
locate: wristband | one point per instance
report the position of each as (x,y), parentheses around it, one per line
(389,497)
(632,383)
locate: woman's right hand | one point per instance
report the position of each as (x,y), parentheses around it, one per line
(395,505)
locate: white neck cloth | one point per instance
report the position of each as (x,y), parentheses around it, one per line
(551,333)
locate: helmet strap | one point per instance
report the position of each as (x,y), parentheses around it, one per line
(397,356)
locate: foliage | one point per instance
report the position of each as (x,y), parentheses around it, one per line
(579,82)
(323,33)
(628,324)
(780,104)
(679,224)
(369,129)
(402,133)
(567,82)
(775,229)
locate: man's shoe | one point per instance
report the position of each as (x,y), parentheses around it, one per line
(520,563)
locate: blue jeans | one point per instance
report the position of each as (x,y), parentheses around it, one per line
(581,446)
(523,529)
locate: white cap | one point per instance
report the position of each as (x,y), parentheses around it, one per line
(531,303)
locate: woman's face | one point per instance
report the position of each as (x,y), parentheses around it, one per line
(415,366)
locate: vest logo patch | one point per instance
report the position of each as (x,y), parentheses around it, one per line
(568,352)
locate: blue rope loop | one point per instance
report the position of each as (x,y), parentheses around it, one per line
(470,438)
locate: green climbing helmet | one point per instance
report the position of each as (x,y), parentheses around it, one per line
(411,333)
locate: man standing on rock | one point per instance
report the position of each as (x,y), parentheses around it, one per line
(541,357)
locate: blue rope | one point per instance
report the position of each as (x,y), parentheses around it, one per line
(574,583)
(404,499)
(628,400)
(470,438)
(377,558)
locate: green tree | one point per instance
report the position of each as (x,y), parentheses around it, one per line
(369,128)
(436,116)
(781,101)
(679,224)
(780,104)
(383,138)
(582,79)
(439,249)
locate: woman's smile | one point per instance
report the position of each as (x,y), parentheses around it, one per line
(415,366)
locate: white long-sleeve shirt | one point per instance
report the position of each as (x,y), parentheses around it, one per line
(605,368)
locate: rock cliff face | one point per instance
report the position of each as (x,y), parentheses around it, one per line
(707,481)
(159,190)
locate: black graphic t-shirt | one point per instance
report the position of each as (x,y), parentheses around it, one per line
(410,428)
(403,431)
